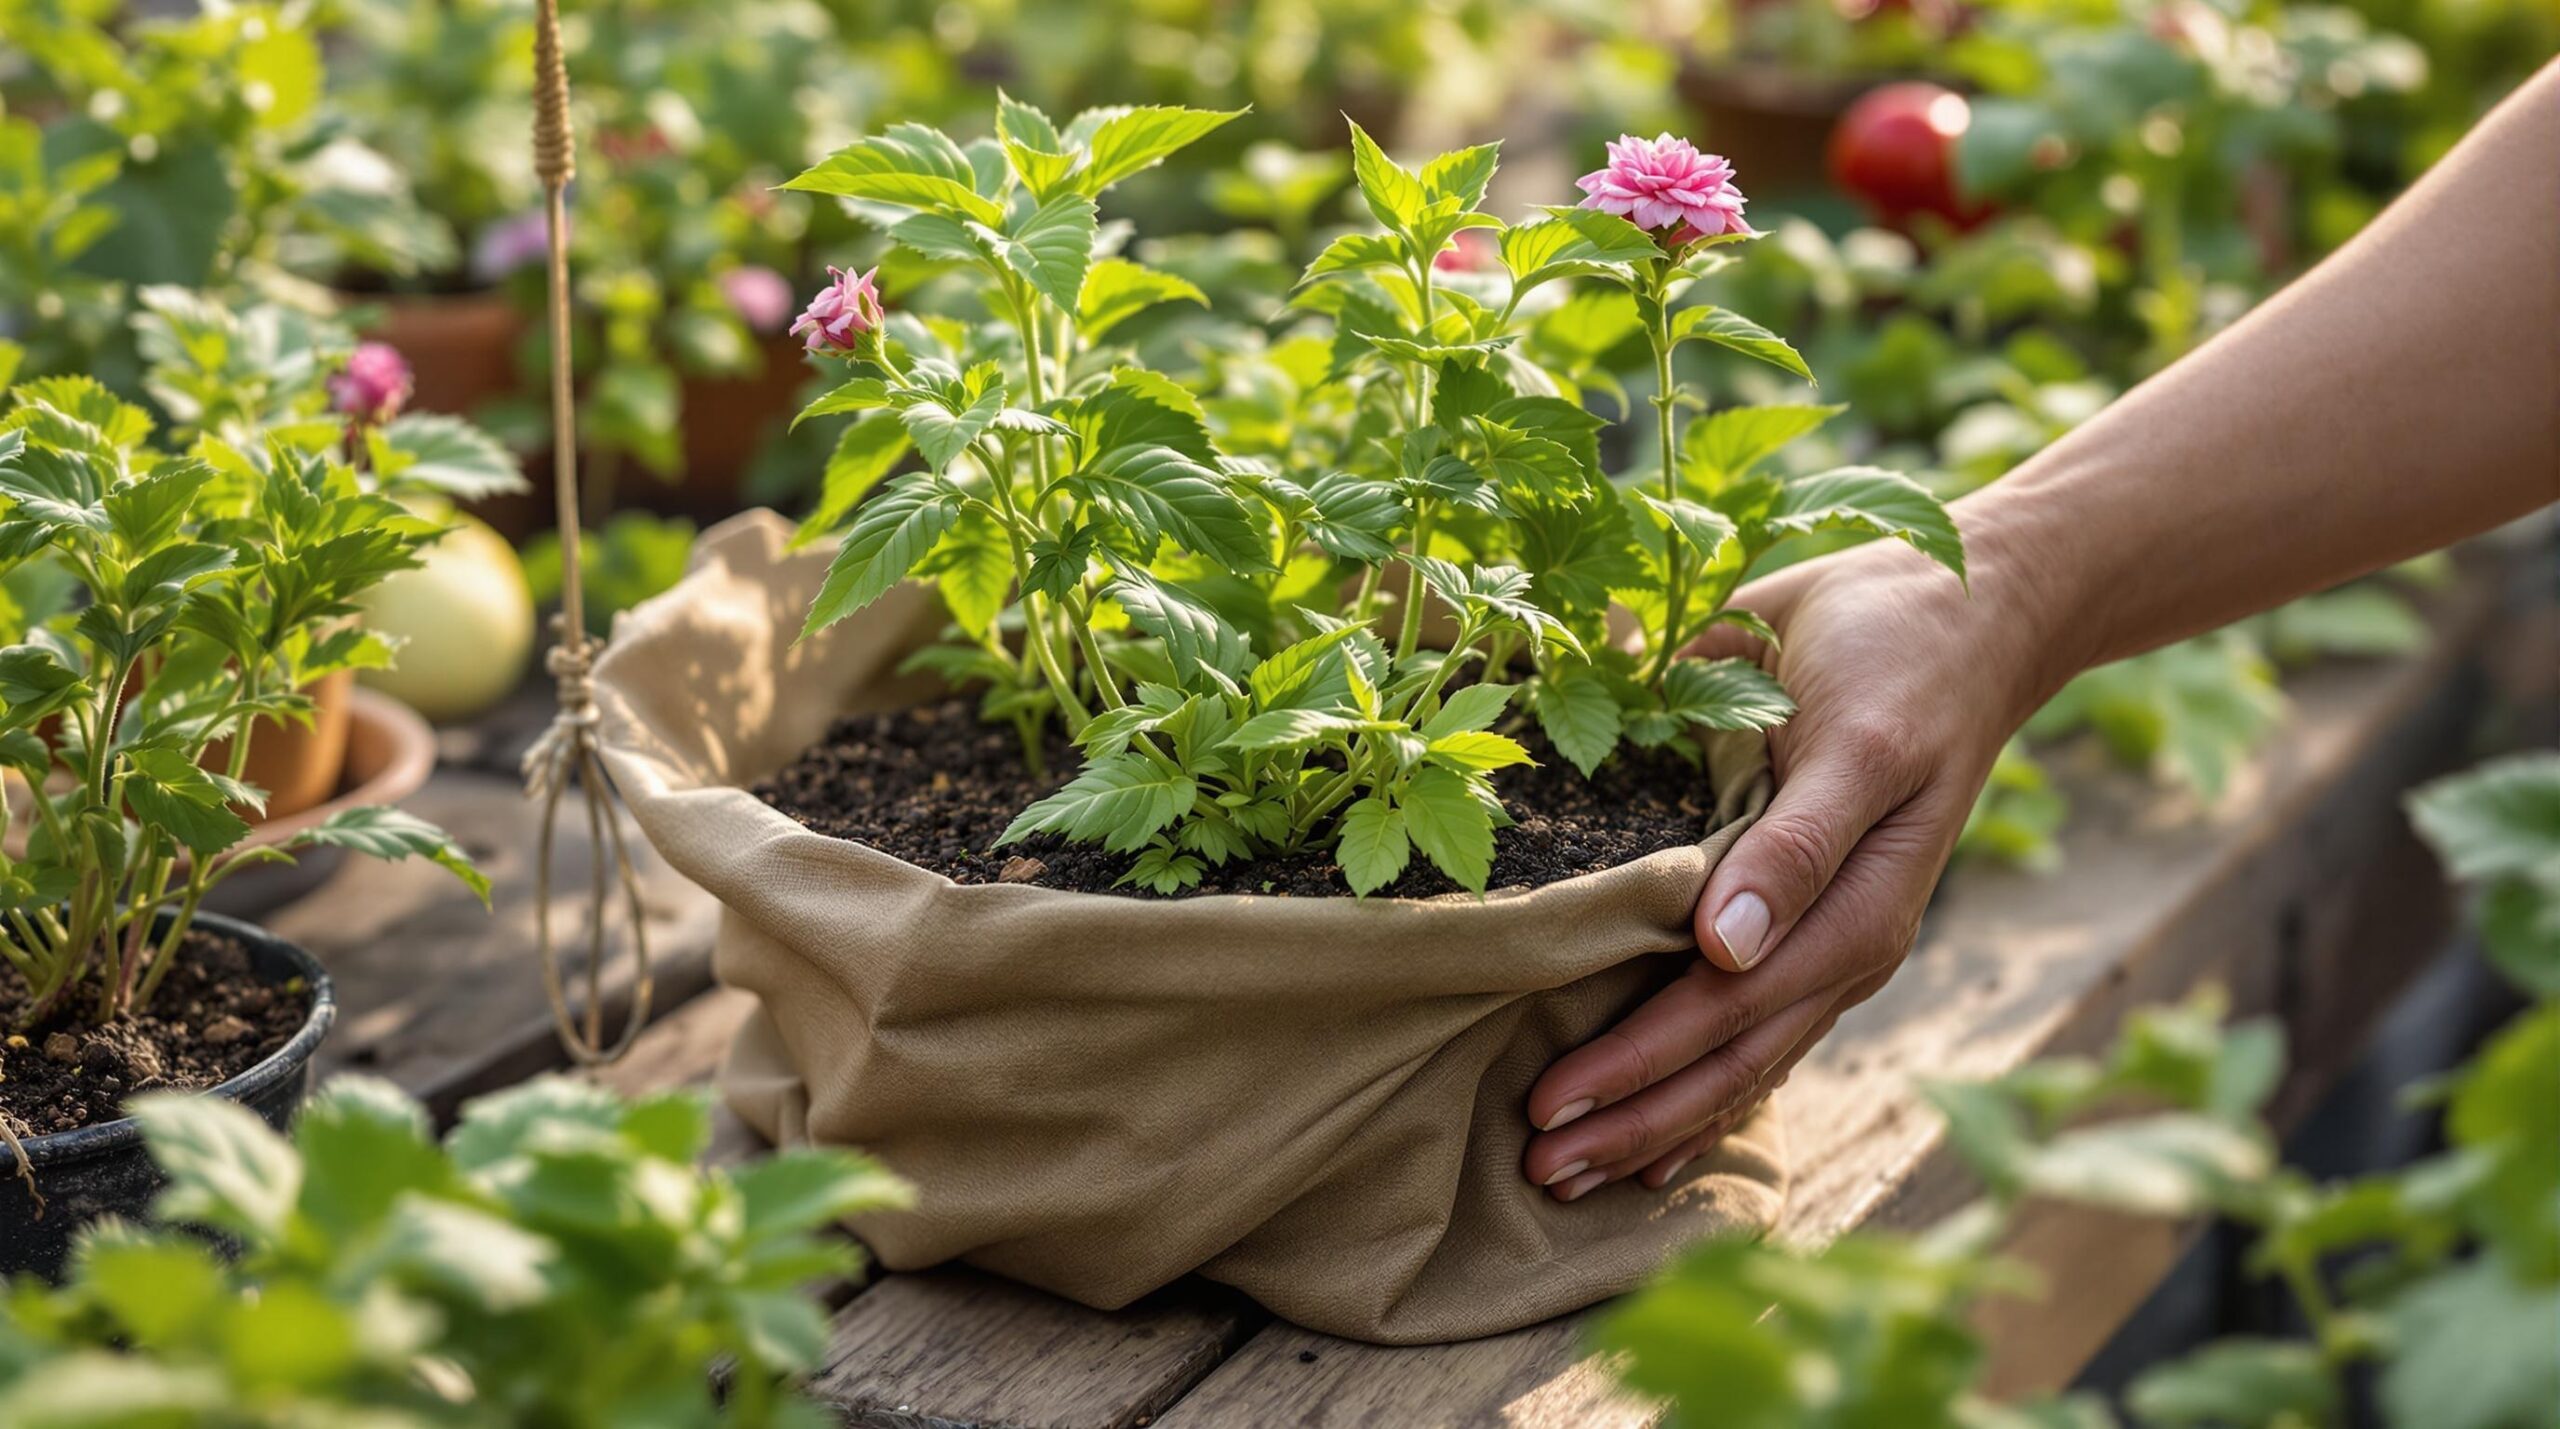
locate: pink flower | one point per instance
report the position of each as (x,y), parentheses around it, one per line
(518,241)
(1468,251)
(376,381)
(845,309)
(759,296)
(1666,183)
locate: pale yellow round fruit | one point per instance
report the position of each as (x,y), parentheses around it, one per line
(463,621)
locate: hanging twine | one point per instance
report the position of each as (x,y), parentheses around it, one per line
(567,752)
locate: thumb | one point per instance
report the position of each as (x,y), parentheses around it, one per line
(1785,859)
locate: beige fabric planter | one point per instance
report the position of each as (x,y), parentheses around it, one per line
(1318,1101)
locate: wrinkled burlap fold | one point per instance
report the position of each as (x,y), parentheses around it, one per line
(1316,1100)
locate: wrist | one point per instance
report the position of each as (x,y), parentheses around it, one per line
(2033,629)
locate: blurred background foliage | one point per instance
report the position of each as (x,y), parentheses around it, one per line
(1986,218)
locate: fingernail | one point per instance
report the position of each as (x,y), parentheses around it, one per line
(1569,1170)
(1744,926)
(1571,1110)
(1673,1174)
(1581,1185)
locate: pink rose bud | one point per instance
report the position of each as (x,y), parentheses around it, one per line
(1664,183)
(844,310)
(759,296)
(373,386)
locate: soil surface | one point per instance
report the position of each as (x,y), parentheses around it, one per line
(934,785)
(209,1022)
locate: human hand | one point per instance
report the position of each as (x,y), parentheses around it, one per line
(1906,688)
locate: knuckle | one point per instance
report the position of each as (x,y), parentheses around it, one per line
(1630,1062)
(1639,1127)
(1796,852)
(1877,740)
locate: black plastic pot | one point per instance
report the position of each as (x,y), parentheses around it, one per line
(104,1170)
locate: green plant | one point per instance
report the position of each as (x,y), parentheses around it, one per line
(559,1259)
(1262,712)
(201,152)
(634,557)
(2441,1280)
(163,601)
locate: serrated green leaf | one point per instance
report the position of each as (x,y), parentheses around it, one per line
(1200,642)
(1474,707)
(910,166)
(1480,750)
(1733,331)
(1727,443)
(1120,802)
(392,834)
(973,569)
(1392,191)
(1707,531)
(1462,174)
(1116,290)
(1051,247)
(1128,140)
(942,433)
(864,456)
(890,536)
(447,455)
(1451,826)
(1579,715)
(857,395)
(1868,498)
(1373,848)
(1725,694)
(1154,492)
(1353,252)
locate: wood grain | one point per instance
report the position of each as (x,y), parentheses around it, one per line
(444,997)
(952,1348)
(2301,891)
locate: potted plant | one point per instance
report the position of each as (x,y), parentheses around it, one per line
(476,1281)
(163,603)
(1306,664)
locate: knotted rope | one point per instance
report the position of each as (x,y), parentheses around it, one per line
(568,751)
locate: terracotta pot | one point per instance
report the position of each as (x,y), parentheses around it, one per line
(390,751)
(297,765)
(1773,126)
(461,346)
(726,422)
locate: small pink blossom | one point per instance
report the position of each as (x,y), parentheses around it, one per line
(1468,252)
(517,241)
(846,308)
(1665,182)
(373,386)
(759,296)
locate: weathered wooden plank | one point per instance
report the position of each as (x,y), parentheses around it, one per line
(683,1049)
(956,1349)
(2302,892)
(446,998)
(1537,1378)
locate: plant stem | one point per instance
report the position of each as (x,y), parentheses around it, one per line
(1411,637)
(1675,590)
(1080,620)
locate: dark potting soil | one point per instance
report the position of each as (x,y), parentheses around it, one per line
(209,1022)
(934,785)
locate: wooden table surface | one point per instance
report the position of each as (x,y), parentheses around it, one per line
(2301,891)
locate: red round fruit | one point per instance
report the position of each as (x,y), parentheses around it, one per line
(1895,151)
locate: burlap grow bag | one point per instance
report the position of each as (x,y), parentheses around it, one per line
(1318,1101)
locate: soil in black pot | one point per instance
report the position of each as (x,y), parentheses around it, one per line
(210,1021)
(934,785)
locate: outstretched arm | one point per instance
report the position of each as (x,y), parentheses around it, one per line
(2403,395)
